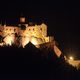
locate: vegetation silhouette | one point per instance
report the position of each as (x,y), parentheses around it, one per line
(31,61)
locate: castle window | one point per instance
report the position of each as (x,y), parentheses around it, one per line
(29,29)
(14,30)
(41,29)
(6,29)
(33,29)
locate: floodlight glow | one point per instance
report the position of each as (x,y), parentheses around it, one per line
(71,58)
(9,39)
(25,41)
(34,41)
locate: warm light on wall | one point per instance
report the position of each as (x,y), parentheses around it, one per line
(36,34)
(9,39)
(25,40)
(1,44)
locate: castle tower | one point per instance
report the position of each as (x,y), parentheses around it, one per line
(22,19)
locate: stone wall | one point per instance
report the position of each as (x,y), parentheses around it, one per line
(36,34)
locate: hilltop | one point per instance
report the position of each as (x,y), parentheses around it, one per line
(31,61)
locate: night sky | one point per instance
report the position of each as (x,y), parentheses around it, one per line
(62,19)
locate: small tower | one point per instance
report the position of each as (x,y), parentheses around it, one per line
(22,22)
(22,19)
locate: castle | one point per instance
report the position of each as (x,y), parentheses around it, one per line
(24,33)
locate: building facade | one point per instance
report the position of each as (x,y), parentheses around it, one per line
(36,34)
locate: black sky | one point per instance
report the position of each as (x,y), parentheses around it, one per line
(62,18)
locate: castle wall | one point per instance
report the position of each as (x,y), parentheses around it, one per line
(36,34)
(44,30)
(9,34)
(38,31)
(10,30)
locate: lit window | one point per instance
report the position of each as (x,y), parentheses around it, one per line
(10,29)
(33,29)
(41,29)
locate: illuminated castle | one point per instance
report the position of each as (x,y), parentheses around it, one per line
(24,33)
